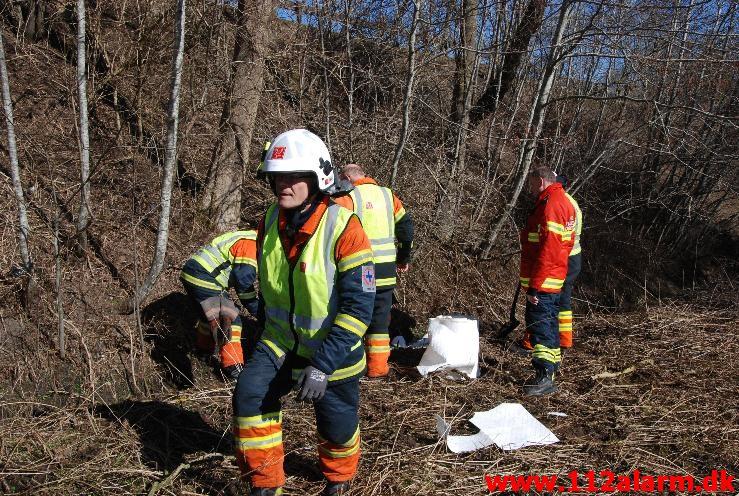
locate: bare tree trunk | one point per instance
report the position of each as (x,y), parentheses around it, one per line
(23,229)
(531,21)
(231,153)
(84,212)
(536,119)
(58,267)
(350,68)
(327,87)
(170,161)
(465,72)
(408,94)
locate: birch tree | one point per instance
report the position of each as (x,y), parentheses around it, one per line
(536,120)
(170,161)
(23,229)
(408,93)
(83,218)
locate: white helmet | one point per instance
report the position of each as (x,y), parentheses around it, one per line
(299,150)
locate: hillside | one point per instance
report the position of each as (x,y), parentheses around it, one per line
(126,406)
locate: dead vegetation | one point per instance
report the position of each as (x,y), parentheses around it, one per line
(671,407)
(651,383)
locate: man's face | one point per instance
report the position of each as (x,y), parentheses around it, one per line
(292,190)
(535,185)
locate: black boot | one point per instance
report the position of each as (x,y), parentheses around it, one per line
(336,489)
(520,349)
(541,385)
(265,491)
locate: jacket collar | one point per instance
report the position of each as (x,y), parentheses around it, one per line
(548,191)
(311,224)
(365,180)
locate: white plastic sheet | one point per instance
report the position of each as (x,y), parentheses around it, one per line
(454,344)
(509,426)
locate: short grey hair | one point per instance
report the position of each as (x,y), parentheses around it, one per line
(544,172)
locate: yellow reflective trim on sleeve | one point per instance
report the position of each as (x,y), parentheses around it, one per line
(235,334)
(533,237)
(199,282)
(552,283)
(555,227)
(208,264)
(524,281)
(245,261)
(399,215)
(386,281)
(351,324)
(576,250)
(249,295)
(347,372)
(354,260)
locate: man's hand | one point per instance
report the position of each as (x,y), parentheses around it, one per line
(312,384)
(219,306)
(533,299)
(212,309)
(227,309)
(402,268)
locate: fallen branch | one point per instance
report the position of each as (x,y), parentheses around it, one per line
(158,485)
(611,375)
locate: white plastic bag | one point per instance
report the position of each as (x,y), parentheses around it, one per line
(454,344)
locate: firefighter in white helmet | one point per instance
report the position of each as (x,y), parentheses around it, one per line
(317,286)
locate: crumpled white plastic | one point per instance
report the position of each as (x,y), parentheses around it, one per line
(454,344)
(509,426)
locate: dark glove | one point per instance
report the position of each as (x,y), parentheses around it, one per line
(233,371)
(312,384)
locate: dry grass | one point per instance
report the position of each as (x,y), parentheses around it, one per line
(675,413)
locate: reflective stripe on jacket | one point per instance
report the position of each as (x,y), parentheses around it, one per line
(216,257)
(373,205)
(303,301)
(227,261)
(547,240)
(384,219)
(578,225)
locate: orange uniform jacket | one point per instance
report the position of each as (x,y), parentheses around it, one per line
(546,242)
